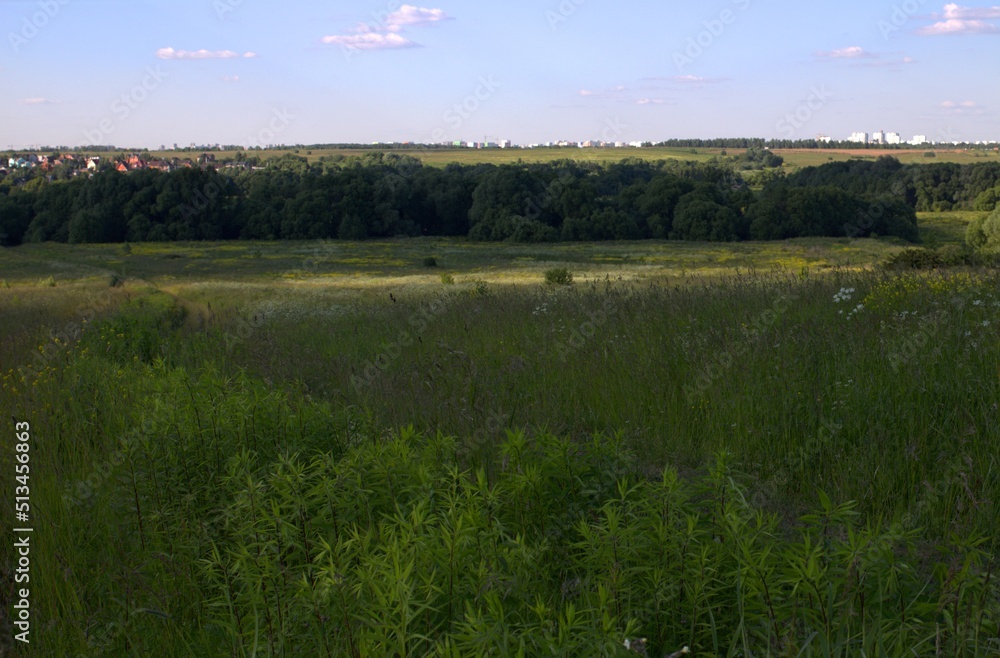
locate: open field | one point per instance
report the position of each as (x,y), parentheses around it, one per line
(794,158)
(326,448)
(355,263)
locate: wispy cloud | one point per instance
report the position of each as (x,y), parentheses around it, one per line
(611,92)
(957,26)
(686,80)
(370,41)
(230,78)
(851,52)
(974,13)
(959,20)
(410,16)
(651,101)
(963,107)
(170,53)
(385,34)
(36,101)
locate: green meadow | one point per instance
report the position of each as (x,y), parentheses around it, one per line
(439,157)
(420,447)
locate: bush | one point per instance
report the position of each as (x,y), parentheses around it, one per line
(917,259)
(930,154)
(558,276)
(481,289)
(447,279)
(984,233)
(430,261)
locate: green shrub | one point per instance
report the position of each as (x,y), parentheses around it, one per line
(983,234)
(916,259)
(430,261)
(559,276)
(447,279)
(481,289)
(47,282)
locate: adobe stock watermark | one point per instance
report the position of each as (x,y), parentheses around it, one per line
(581,334)
(901,13)
(562,13)
(419,321)
(714,28)
(123,107)
(915,345)
(203,198)
(874,213)
(32,25)
(725,360)
(804,113)
(456,116)
(62,337)
(381,23)
(796,462)
(277,124)
(225,7)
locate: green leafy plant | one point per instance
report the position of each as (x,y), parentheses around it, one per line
(558,276)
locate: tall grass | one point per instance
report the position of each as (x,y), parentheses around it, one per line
(752,467)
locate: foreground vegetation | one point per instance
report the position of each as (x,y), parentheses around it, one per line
(775,463)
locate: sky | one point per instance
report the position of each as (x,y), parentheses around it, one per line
(145,73)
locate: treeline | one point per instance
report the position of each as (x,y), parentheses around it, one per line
(925,188)
(384,195)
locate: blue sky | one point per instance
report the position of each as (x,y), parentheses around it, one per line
(151,72)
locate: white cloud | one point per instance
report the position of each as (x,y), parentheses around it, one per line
(36,101)
(852,52)
(964,107)
(410,16)
(650,101)
(958,26)
(384,35)
(170,53)
(607,93)
(953,10)
(370,41)
(230,78)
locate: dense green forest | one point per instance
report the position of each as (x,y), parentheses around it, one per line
(384,195)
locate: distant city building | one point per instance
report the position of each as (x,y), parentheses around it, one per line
(878,137)
(918,140)
(893,138)
(823,139)
(859,138)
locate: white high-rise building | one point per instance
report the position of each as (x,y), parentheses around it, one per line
(893,138)
(878,138)
(860,138)
(918,140)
